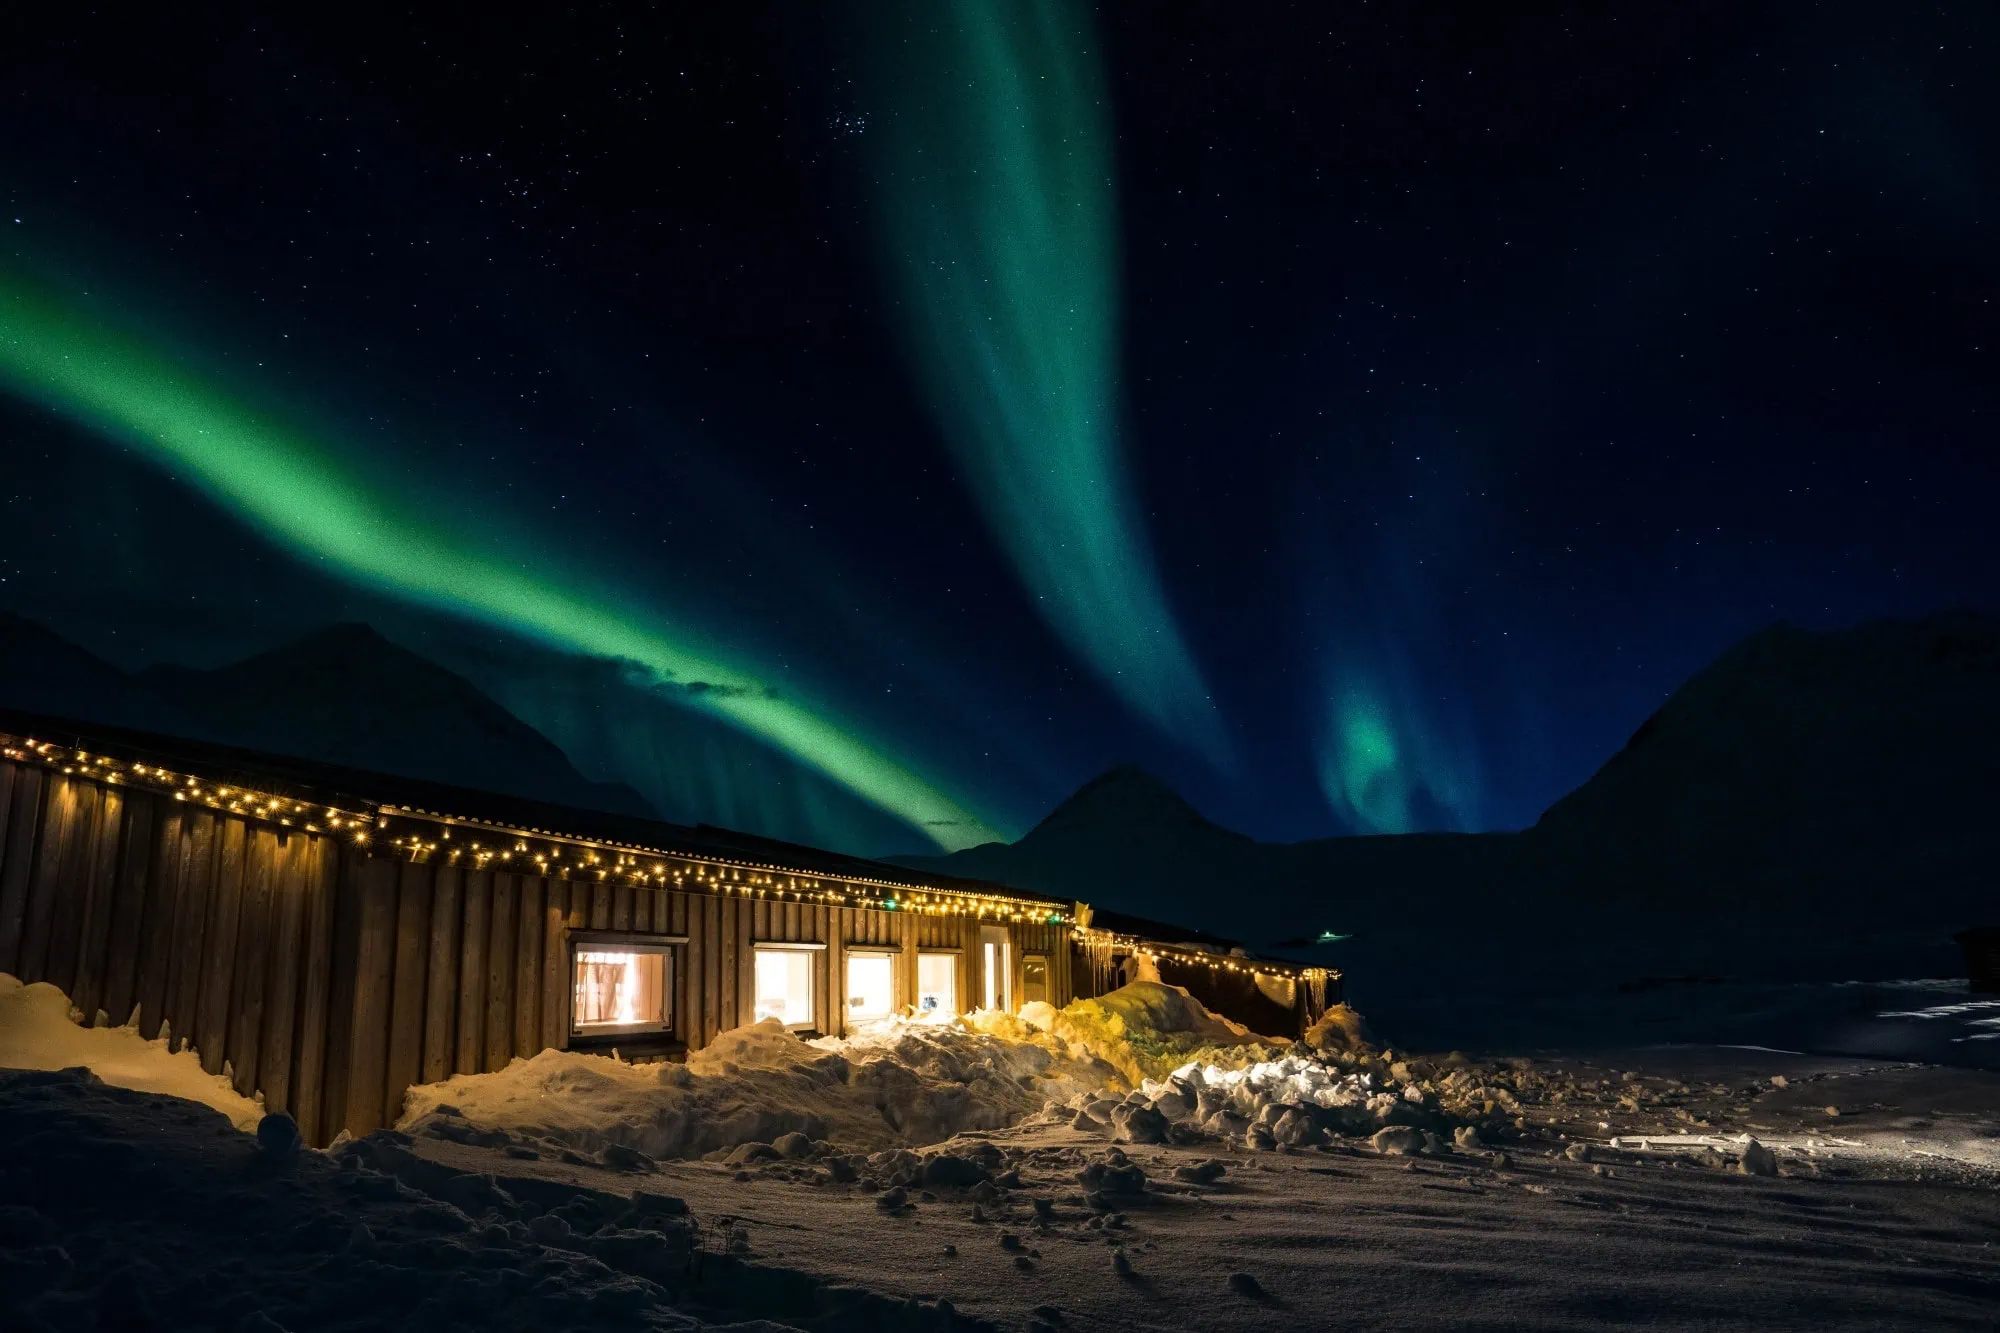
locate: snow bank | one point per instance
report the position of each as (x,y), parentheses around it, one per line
(894,1083)
(1143,1030)
(40,1030)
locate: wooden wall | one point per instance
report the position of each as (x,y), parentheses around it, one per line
(331,980)
(216,929)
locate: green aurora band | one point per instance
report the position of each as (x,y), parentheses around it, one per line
(998,216)
(62,354)
(1386,776)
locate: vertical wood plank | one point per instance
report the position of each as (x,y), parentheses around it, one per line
(473,939)
(600,903)
(833,979)
(194,874)
(342,983)
(409,994)
(374,974)
(731,964)
(72,891)
(126,940)
(290,879)
(218,962)
(26,819)
(621,907)
(442,975)
(528,967)
(157,939)
(59,829)
(500,976)
(694,1005)
(10,773)
(642,910)
(243,1039)
(316,954)
(746,966)
(100,888)
(908,942)
(555,967)
(717,967)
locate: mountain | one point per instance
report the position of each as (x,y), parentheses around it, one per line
(1123,827)
(1859,752)
(344,695)
(1810,806)
(42,671)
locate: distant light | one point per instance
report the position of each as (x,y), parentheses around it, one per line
(1332,936)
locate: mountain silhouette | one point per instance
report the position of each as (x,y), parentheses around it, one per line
(344,695)
(1810,806)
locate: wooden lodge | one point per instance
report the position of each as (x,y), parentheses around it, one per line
(329,949)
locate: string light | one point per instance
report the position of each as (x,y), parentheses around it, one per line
(631,863)
(1111,940)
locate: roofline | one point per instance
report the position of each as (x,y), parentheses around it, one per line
(179,766)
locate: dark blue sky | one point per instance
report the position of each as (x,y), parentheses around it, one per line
(1481,376)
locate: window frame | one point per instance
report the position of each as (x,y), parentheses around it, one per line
(1048,977)
(996,982)
(889,952)
(614,941)
(957,956)
(815,952)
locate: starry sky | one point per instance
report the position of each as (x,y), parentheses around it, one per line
(863,424)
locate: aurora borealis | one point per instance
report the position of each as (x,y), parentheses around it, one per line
(999,219)
(867,429)
(300,492)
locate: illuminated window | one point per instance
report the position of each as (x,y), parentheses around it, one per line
(621,988)
(1034,979)
(937,984)
(997,957)
(784,986)
(871,986)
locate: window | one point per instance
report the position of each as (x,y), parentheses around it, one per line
(1034,979)
(937,985)
(619,988)
(871,986)
(997,951)
(784,980)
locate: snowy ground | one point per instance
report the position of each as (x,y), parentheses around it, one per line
(1672,1186)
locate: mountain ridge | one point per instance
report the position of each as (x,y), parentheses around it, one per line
(344,695)
(1810,803)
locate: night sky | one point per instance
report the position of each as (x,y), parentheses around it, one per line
(1361,415)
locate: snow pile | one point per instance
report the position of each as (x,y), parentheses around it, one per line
(1143,1030)
(40,1030)
(892,1084)
(1296,1101)
(129,1211)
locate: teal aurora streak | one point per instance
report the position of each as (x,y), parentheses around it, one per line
(1383,772)
(998,214)
(60,353)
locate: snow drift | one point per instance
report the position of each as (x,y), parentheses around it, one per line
(897,1083)
(40,1030)
(894,1083)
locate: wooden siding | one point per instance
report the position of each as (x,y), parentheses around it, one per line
(331,979)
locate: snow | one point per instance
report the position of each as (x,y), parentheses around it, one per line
(128,1210)
(1596,1189)
(39,1029)
(899,1082)
(894,1083)
(1143,1030)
